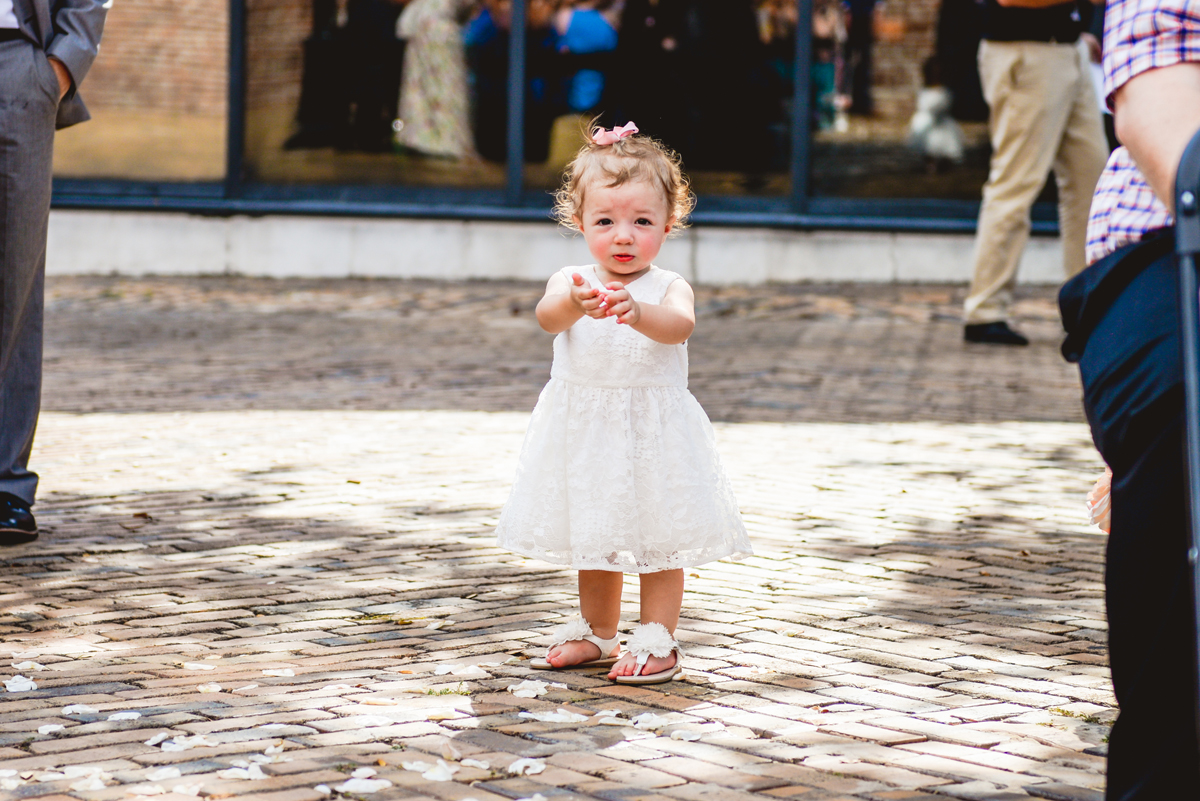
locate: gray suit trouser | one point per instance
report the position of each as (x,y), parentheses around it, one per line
(28,102)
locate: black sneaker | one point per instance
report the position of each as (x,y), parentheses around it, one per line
(993,334)
(17,525)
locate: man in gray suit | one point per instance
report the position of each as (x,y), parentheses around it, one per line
(46,48)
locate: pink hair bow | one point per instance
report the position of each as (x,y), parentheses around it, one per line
(603,137)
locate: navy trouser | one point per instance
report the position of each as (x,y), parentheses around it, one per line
(1122,319)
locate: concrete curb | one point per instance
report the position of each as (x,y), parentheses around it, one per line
(146,243)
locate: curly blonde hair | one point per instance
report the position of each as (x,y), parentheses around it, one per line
(634,158)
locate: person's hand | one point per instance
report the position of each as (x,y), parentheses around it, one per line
(621,304)
(64,77)
(1099,502)
(587,299)
(1093,46)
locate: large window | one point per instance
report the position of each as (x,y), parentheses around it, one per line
(862,113)
(156,94)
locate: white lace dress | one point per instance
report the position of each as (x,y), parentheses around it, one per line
(619,470)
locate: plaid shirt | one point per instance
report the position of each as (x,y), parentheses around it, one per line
(1139,35)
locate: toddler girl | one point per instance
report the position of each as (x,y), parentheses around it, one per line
(619,471)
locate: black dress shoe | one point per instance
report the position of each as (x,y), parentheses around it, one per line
(993,334)
(17,525)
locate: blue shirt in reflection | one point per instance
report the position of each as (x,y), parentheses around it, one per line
(587,32)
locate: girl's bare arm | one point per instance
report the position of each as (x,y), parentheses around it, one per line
(670,322)
(565,302)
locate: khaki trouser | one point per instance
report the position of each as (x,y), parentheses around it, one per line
(1044,115)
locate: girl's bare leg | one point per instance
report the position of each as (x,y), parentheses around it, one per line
(662,596)
(600,605)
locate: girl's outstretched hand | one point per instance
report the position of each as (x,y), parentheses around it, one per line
(587,299)
(621,304)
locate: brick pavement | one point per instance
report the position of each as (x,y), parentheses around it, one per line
(269,511)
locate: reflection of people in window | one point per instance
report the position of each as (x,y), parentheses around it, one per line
(487,38)
(586,26)
(648,44)
(434,105)
(828,39)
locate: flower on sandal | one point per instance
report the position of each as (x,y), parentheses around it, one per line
(652,639)
(574,629)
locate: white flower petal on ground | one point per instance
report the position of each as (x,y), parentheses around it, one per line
(125,716)
(211,687)
(366,773)
(534,797)
(363,785)
(50,727)
(182,743)
(560,716)
(51,775)
(19,684)
(648,721)
(449,752)
(279,672)
(687,736)
(27,666)
(323,789)
(530,688)
(162,774)
(609,720)
(526,767)
(146,789)
(252,773)
(460,670)
(198,666)
(244,688)
(158,738)
(416,766)
(496,664)
(79,709)
(88,784)
(475,763)
(186,789)
(440,773)
(275,748)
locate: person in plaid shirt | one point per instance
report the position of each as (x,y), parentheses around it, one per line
(1122,320)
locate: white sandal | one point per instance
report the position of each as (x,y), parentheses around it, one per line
(579,629)
(647,640)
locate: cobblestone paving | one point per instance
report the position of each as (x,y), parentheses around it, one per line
(268,512)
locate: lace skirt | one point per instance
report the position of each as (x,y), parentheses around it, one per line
(624,479)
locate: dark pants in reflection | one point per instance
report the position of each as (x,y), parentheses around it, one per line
(1122,318)
(859,40)
(726,88)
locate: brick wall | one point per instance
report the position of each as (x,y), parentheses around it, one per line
(165,55)
(276,30)
(906,33)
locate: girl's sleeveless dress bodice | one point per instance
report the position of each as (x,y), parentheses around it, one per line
(619,469)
